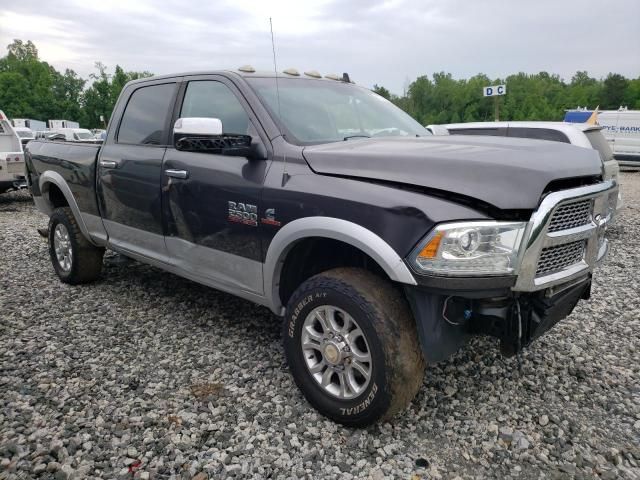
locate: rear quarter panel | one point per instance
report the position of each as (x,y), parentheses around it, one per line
(75,162)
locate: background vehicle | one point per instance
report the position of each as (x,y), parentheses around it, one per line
(579,134)
(73,134)
(620,127)
(437,129)
(29,123)
(25,134)
(55,124)
(11,157)
(381,245)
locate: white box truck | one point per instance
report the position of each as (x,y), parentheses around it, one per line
(620,127)
(35,125)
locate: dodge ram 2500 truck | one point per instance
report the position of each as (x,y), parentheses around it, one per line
(383,247)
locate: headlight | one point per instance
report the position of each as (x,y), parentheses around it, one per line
(470,248)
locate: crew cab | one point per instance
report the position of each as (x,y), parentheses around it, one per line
(381,246)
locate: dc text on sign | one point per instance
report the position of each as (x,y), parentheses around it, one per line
(494,90)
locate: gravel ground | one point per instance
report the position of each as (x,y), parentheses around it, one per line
(146,375)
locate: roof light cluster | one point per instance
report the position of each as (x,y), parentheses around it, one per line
(309,73)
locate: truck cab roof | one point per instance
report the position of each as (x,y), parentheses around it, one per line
(288,73)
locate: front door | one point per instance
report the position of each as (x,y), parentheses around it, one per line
(129,171)
(212,202)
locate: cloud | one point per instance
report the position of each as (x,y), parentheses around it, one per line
(383,42)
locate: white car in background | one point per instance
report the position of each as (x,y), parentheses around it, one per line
(12,174)
(579,134)
(73,134)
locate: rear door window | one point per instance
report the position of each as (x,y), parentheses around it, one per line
(538,134)
(146,115)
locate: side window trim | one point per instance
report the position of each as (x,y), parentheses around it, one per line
(167,129)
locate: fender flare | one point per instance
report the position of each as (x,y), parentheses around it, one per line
(336,229)
(45,206)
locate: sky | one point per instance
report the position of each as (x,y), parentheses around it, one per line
(384,42)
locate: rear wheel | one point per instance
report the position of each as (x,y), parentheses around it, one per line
(352,346)
(74,259)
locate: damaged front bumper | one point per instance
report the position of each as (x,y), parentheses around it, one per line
(446,322)
(564,242)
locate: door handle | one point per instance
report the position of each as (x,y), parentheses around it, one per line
(177,173)
(108,163)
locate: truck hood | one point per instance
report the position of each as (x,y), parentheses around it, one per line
(504,172)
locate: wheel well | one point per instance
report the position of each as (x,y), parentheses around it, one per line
(56,197)
(311,256)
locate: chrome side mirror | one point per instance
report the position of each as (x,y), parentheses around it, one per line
(197,127)
(205,135)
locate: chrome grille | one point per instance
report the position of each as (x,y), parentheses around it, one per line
(554,259)
(571,215)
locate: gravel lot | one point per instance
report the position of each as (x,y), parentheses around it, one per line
(146,375)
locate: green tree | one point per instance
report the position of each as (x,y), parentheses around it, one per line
(632,94)
(100,98)
(22,51)
(613,91)
(383,92)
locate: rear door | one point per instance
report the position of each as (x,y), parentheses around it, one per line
(129,169)
(212,210)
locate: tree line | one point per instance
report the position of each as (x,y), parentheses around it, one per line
(31,88)
(540,96)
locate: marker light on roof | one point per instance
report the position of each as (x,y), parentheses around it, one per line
(313,73)
(291,71)
(247,69)
(332,76)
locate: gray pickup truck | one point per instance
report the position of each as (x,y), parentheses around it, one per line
(382,247)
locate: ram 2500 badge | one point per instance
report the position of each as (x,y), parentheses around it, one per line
(382,247)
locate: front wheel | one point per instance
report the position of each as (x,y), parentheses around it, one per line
(74,259)
(352,346)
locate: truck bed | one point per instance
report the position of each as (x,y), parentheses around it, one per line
(74,162)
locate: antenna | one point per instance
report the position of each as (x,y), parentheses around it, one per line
(285,175)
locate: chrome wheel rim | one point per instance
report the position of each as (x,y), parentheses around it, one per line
(62,247)
(336,352)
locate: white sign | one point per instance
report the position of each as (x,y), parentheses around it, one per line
(102,118)
(494,90)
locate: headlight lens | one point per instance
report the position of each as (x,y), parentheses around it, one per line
(470,248)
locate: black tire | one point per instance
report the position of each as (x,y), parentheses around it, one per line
(86,259)
(383,315)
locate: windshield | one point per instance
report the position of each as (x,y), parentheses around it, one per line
(24,133)
(322,111)
(86,135)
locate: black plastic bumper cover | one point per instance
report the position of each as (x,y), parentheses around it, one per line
(515,319)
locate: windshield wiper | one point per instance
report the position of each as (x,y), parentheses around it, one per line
(356,136)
